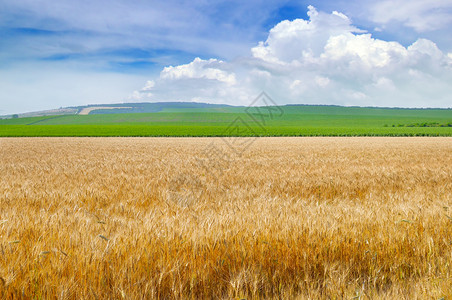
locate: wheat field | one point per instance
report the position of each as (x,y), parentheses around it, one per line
(212,218)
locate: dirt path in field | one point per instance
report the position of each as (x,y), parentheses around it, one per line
(87,110)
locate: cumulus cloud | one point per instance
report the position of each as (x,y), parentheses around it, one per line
(149,85)
(322,60)
(300,39)
(200,69)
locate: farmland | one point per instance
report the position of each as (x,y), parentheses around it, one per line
(261,218)
(238,121)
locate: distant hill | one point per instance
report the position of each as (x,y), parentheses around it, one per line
(193,107)
(121,108)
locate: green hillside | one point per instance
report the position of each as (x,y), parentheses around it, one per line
(196,120)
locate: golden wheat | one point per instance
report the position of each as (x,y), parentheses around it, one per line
(141,218)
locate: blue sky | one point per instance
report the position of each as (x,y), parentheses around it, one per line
(62,53)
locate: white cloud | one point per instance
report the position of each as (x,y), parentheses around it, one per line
(322,81)
(426,48)
(200,69)
(421,15)
(323,60)
(363,49)
(142,94)
(384,84)
(300,39)
(149,85)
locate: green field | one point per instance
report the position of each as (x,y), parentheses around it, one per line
(238,121)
